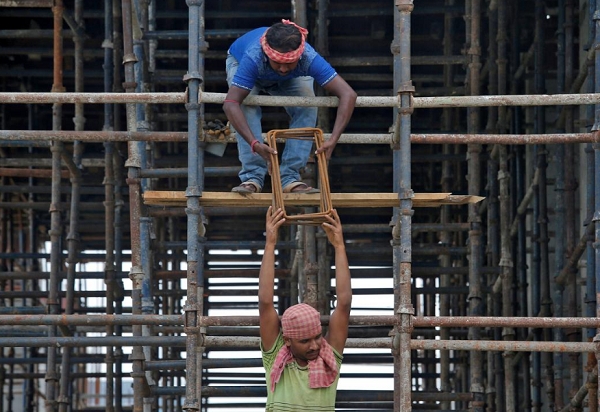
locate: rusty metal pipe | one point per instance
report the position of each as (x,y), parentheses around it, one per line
(362,101)
(381,320)
(243,341)
(347,138)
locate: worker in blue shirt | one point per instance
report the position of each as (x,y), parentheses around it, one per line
(278,60)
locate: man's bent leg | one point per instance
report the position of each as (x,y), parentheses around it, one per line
(254,167)
(297,152)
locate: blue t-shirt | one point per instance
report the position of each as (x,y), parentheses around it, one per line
(254,64)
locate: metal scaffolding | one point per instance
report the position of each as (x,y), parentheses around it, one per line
(110,303)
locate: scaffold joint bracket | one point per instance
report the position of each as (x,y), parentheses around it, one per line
(192,76)
(191,313)
(191,405)
(406,309)
(405,6)
(406,194)
(136,274)
(193,191)
(406,107)
(406,87)
(192,107)
(130,58)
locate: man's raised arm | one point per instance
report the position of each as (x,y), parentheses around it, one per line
(338,323)
(269,319)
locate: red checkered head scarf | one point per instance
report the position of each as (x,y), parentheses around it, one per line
(284,57)
(302,321)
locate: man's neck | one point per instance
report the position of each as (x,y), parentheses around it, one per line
(300,362)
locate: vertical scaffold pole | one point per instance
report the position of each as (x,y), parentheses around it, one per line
(55,209)
(474,176)
(596,146)
(67,396)
(558,291)
(402,216)
(110,275)
(590,289)
(445,212)
(134,165)
(195,229)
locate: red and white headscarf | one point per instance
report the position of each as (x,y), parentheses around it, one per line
(302,321)
(289,57)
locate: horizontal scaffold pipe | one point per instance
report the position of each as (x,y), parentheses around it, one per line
(220,342)
(506,100)
(418,102)
(341,394)
(92,320)
(508,139)
(424,344)
(253,342)
(93,98)
(513,346)
(427,321)
(379,397)
(75,342)
(374,320)
(323,101)
(348,138)
(501,322)
(92,136)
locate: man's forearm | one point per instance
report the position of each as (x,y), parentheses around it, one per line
(238,121)
(266,277)
(342,118)
(342,277)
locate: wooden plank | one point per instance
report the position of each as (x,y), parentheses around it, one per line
(339,200)
(26,3)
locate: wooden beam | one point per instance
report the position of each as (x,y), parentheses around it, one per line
(26,3)
(339,200)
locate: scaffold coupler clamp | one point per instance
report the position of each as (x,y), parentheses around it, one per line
(596,132)
(404,324)
(596,340)
(129,86)
(201,339)
(193,191)
(405,108)
(405,6)
(595,220)
(193,105)
(136,274)
(189,76)
(406,313)
(137,354)
(404,210)
(190,319)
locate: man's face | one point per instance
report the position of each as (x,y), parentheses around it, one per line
(283,69)
(305,350)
